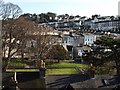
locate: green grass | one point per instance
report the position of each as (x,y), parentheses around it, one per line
(61,71)
(22,70)
(66,65)
(64,68)
(17,63)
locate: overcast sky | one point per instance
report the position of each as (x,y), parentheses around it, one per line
(71,7)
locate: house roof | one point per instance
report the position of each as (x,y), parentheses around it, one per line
(97,82)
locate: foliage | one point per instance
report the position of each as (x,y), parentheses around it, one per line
(100,70)
(48,17)
(108,41)
(16,63)
(43,17)
(99,56)
(18,33)
(58,52)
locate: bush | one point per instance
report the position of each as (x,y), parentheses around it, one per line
(104,70)
(16,63)
(59,53)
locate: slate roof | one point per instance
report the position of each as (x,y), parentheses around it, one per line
(97,82)
(64,82)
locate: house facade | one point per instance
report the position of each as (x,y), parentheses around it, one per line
(110,25)
(73,40)
(102,23)
(89,39)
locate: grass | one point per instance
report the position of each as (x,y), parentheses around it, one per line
(61,71)
(64,68)
(16,63)
(66,65)
(22,70)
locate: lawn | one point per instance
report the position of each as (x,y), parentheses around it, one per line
(22,70)
(64,68)
(66,65)
(17,63)
(61,71)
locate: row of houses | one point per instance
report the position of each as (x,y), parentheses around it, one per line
(72,39)
(59,25)
(67,36)
(108,25)
(74,43)
(98,23)
(102,23)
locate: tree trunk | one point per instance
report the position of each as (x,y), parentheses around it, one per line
(22,55)
(22,51)
(7,60)
(58,61)
(6,64)
(117,68)
(9,54)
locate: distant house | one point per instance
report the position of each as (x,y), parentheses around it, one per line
(68,40)
(88,24)
(71,24)
(78,52)
(89,39)
(102,23)
(109,25)
(73,40)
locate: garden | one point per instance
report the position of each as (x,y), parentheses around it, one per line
(61,68)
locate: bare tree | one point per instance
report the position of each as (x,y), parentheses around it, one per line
(11,40)
(20,31)
(0,39)
(10,10)
(16,32)
(11,32)
(1,3)
(43,42)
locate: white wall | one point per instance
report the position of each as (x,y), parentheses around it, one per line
(89,39)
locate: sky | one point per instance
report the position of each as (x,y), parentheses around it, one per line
(71,7)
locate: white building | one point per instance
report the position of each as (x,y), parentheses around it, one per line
(89,39)
(110,25)
(73,40)
(103,23)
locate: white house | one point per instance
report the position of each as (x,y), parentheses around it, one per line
(73,40)
(89,39)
